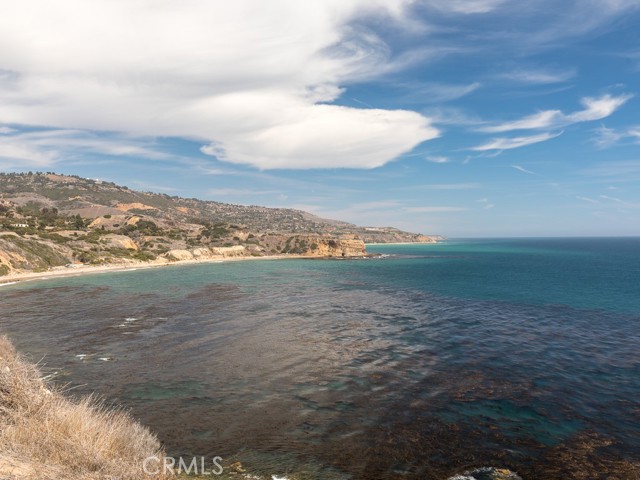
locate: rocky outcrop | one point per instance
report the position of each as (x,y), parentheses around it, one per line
(120,241)
(233,251)
(299,245)
(27,254)
(125,207)
(204,253)
(341,247)
(487,473)
(179,255)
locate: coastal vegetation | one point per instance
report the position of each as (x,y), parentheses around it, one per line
(46,434)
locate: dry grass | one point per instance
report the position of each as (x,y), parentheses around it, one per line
(45,435)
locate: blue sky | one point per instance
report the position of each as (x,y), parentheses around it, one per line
(453,117)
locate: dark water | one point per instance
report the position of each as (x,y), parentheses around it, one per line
(418,365)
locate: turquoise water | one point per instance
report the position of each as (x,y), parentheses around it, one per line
(600,273)
(427,361)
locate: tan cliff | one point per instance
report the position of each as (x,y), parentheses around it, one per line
(300,245)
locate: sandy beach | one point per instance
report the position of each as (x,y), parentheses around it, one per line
(60,272)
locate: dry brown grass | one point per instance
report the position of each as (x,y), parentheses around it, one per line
(45,435)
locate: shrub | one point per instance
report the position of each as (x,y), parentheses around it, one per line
(46,435)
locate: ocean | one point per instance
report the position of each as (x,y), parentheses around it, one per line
(425,362)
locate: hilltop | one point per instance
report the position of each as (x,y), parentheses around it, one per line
(48,220)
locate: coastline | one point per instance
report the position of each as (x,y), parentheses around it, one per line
(64,272)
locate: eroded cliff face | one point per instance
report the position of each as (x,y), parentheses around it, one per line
(298,245)
(204,253)
(18,254)
(347,247)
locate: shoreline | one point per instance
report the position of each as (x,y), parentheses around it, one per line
(65,272)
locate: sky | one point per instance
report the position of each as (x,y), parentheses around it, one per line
(465,118)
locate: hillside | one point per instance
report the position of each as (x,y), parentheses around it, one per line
(49,220)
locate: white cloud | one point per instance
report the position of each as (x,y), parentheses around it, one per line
(538,76)
(6,130)
(594,109)
(466,6)
(587,199)
(607,137)
(437,159)
(327,136)
(544,119)
(612,199)
(435,92)
(447,115)
(515,142)
(598,108)
(489,206)
(523,170)
(251,80)
(17,155)
(40,148)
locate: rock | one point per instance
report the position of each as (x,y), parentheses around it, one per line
(201,253)
(338,247)
(120,241)
(487,473)
(234,251)
(179,255)
(125,207)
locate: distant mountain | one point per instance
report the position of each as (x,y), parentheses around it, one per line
(73,219)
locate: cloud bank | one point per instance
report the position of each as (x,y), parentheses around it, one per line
(252,80)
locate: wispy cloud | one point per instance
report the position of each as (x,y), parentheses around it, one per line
(538,76)
(467,6)
(435,92)
(620,202)
(587,199)
(523,170)
(515,142)
(594,109)
(437,159)
(434,209)
(448,115)
(607,137)
(613,199)
(623,170)
(41,148)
